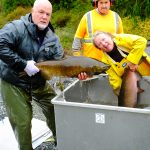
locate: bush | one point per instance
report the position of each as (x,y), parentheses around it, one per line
(134,8)
(66,36)
(139,27)
(16,14)
(9,5)
(59,20)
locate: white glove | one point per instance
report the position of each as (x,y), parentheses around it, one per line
(30,68)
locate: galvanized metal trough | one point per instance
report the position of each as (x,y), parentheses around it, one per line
(88,118)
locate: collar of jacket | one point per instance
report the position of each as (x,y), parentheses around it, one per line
(31,27)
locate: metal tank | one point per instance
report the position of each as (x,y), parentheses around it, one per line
(88,118)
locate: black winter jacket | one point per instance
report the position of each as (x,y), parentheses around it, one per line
(19,42)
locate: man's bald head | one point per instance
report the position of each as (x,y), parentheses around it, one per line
(41,13)
(38,3)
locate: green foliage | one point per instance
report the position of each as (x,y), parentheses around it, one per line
(70,18)
(66,33)
(1,6)
(141,27)
(68,4)
(19,11)
(9,5)
(123,7)
(67,15)
(134,8)
(60,20)
(66,36)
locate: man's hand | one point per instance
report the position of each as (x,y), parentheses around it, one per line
(30,68)
(82,76)
(132,66)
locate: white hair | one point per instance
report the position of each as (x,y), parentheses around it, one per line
(40,5)
(97,33)
(39,2)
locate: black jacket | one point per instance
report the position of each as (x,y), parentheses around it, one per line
(19,42)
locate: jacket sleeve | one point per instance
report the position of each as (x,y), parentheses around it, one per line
(134,44)
(79,35)
(9,38)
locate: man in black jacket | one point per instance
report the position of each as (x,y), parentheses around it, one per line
(22,43)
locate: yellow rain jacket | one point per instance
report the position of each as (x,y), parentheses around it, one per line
(135,47)
(93,21)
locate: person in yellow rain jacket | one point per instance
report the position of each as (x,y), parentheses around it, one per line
(101,18)
(128,60)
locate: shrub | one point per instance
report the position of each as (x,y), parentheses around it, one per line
(133,8)
(140,27)
(9,5)
(59,20)
(19,11)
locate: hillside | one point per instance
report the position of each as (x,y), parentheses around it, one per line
(66,20)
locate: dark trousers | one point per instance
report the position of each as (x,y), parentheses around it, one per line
(19,110)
